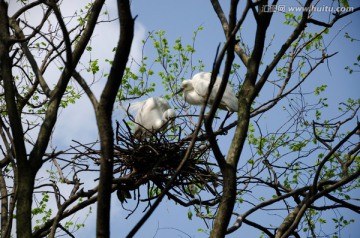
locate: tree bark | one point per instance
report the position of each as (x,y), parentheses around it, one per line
(26,180)
(4,205)
(24,203)
(104,116)
(246,97)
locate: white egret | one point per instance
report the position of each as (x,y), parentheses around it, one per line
(195,91)
(152,115)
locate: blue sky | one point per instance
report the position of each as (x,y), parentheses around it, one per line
(180,19)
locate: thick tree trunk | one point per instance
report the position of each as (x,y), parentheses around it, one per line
(25,189)
(104,114)
(4,206)
(246,97)
(227,203)
(106,173)
(25,181)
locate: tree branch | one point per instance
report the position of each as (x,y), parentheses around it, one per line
(86,88)
(103,113)
(295,34)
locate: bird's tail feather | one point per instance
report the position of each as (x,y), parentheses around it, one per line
(131,107)
(136,106)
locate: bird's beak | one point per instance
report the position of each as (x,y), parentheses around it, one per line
(179,91)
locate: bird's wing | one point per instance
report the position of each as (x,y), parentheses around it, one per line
(150,114)
(229,101)
(144,109)
(201,87)
(215,89)
(162,104)
(200,82)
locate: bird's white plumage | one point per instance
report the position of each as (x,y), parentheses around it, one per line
(152,115)
(195,89)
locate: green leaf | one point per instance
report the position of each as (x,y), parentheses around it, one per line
(189,214)
(345,3)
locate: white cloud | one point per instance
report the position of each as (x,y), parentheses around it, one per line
(77,121)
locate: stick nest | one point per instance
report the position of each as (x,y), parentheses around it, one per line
(157,158)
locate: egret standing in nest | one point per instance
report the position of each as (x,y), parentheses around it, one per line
(195,90)
(152,115)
